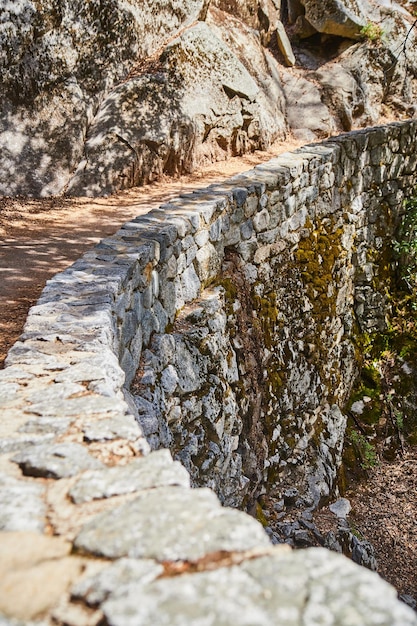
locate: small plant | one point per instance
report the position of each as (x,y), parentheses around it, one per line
(365,450)
(371,31)
(399,420)
(356,532)
(405,245)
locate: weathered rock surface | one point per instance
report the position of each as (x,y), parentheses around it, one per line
(305,109)
(260,15)
(115,578)
(161,123)
(344,18)
(284,588)
(170,524)
(155,470)
(22,506)
(105,95)
(55,460)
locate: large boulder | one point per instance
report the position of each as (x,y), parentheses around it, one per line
(200,104)
(101,95)
(342,94)
(344,18)
(305,109)
(262,15)
(58,60)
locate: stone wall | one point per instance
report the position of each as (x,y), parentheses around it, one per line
(231,315)
(247,387)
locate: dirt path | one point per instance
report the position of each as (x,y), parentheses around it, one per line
(42,237)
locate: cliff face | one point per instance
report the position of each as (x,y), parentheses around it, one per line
(99,96)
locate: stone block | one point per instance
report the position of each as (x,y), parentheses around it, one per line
(155,470)
(58,460)
(190,525)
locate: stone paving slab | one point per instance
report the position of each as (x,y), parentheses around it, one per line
(114,580)
(169,524)
(22,507)
(304,588)
(117,427)
(154,470)
(58,460)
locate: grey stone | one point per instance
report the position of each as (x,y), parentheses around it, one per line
(285,45)
(291,588)
(190,284)
(69,72)
(53,393)
(341,508)
(172,116)
(11,621)
(170,524)
(119,427)
(155,470)
(363,553)
(169,379)
(305,108)
(8,391)
(46,425)
(113,580)
(11,444)
(148,419)
(97,368)
(22,506)
(343,18)
(58,460)
(261,220)
(79,405)
(303,28)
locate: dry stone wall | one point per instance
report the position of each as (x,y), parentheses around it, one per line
(248,386)
(222,326)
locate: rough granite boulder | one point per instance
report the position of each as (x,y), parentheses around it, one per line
(343,18)
(57,63)
(201,105)
(100,96)
(261,15)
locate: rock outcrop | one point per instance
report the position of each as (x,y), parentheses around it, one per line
(200,106)
(99,96)
(343,18)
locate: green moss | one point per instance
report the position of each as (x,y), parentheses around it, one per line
(372,31)
(260,515)
(388,358)
(266,310)
(316,257)
(364,449)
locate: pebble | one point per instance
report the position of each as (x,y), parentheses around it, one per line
(341,508)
